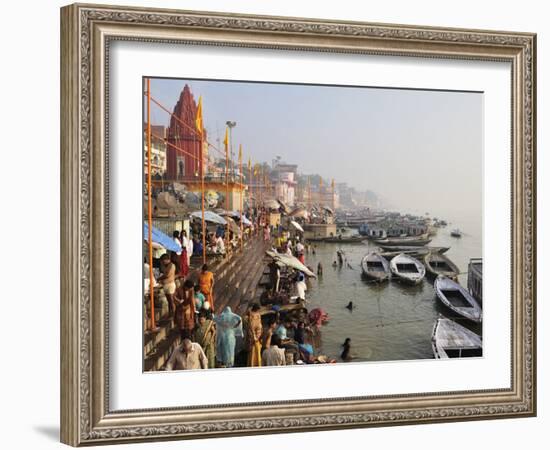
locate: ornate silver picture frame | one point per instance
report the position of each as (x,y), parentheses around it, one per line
(87,32)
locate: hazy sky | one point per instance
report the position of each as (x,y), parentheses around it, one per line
(419,150)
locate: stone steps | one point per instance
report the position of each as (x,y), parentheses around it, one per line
(235,278)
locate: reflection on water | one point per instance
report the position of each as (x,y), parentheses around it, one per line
(390,321)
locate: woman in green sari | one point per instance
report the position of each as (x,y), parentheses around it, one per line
(205,335)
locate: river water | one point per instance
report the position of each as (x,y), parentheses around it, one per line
(390,321)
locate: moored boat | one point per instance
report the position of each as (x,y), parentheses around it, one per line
(451,340)
(345,239)
(404,241)
(456,233)
(457,299)
(418,249)
(408,269)
(375,267)
(438,264)
(475,278)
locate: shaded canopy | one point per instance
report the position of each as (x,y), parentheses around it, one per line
(290,261)
(297,225)
(160,238)
(210,216)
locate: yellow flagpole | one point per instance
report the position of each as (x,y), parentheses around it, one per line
(226,144)
(199,125)
(150,209)
(241,190)
(260,181)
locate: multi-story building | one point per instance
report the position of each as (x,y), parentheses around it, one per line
(284,178)
(158,150)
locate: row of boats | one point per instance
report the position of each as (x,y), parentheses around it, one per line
(408,269)
(411,264)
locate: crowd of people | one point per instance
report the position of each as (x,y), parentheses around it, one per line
(263,335)
(227,340)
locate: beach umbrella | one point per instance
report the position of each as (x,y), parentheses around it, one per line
(329,210)
(160,238)
(299,212)
(233,226)
(246,220)
(283,205)
(297,225)
(272,204)
(290,261)
(236,215)
(209,216)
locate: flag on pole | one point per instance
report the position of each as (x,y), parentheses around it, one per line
(198,120)
(332,184)
(249,165)
(320,183)
(240,153)
(226,141)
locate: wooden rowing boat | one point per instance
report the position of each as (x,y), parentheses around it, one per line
(404,241)
(375,267)
(345,239)
(457,299)
(412,249)
(408,269)
(451,340)
(438,264)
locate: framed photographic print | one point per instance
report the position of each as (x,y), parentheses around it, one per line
(278,225)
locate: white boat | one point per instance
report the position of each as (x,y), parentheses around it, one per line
(457,299)
(407,268)
(451,340)
(375,267)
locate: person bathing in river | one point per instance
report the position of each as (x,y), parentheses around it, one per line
(319,269)
(346,352)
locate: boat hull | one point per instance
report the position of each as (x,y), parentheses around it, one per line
(437,264)
(405,242)
(451,340)
(407,269)
(457,299)
(379,270)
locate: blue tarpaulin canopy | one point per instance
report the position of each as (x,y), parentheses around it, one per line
(160,238)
